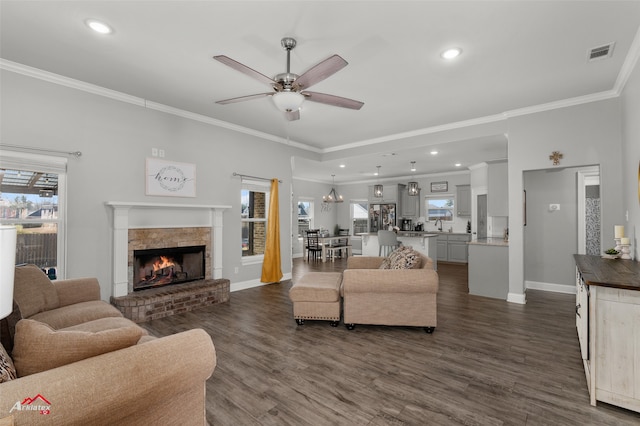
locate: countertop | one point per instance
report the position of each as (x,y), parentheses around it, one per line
(491,241)
(616,273)
(410,234)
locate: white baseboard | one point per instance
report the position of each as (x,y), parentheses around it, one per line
(520,298)
(555,288)
(243,285)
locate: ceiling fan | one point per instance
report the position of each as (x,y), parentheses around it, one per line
(290,89)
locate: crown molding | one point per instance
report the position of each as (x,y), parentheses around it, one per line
(134,100)
(628,65)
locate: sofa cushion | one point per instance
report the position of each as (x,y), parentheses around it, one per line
(404,257)
(78,313)
(39,347)
(33,291)
(7,369)
(103,324)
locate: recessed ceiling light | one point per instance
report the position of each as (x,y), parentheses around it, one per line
(434,152)
(99,27)
(451,53)
(342,166)
(458,164)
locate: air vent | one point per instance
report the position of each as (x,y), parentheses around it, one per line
(600,52)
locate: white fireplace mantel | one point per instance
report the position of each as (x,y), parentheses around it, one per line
(137,215)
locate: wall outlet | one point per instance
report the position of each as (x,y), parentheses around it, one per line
(236,270)
(154,152)
(161,153)
(554,207)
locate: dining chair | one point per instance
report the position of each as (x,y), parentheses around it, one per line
(313,244)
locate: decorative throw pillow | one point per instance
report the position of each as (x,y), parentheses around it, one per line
(38,347)
(386,264)
(7,369)
(33,291)
(405,257)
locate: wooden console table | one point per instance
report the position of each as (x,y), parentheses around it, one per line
(608,323)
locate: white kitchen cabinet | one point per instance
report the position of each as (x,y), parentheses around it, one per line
(608,324)
(463,200)
(453,247)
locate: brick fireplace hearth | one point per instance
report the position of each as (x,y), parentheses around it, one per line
(139,226)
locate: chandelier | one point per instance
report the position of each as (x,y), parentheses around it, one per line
(412,187)
(377,188)
(333,196)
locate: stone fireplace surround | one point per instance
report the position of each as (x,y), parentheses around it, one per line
(166,225)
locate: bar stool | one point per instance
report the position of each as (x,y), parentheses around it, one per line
(387,242)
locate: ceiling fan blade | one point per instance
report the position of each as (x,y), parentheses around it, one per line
(292,115)
(244,69)
(338,101)
(324,69)
(243,98)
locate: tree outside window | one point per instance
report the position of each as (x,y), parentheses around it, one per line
(29,201)
(440,208)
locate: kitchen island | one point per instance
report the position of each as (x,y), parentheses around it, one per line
(421,241)
(489,267)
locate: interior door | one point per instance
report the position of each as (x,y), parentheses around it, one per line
(481,216)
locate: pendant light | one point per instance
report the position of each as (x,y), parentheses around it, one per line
(412,187)
(333,196)
(377,188)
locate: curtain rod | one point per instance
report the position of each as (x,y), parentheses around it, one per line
(253,177)
(54,151)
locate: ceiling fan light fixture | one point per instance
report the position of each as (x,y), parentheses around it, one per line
(288,101)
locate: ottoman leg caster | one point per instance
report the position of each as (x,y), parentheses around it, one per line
(299,321)
(350,326)
(334,323)
(429,330)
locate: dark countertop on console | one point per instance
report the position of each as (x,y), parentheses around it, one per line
(616,273)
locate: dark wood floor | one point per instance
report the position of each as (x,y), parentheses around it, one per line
(489,362)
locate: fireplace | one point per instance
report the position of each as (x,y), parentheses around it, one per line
(158,267)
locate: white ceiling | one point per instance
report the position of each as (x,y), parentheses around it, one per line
(516,54)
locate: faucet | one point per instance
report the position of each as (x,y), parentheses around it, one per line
(436,224)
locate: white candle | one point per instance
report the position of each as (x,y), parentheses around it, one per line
(619,231)
(624,241)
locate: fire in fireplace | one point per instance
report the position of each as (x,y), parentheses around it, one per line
(164,266)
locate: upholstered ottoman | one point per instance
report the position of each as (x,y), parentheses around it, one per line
(316,296)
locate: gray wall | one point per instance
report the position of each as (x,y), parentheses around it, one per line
(115,138)
(631,158)
(551,237)
(586,134)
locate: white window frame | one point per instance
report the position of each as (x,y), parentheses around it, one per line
(351,214)
(443,196)
(311,216)
(15,160)
(255,186)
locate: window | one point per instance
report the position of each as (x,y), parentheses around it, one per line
(440,208)
(359,216)
(305,217)
(31,198)
(254,207)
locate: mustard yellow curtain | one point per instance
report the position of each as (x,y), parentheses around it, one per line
(272,265)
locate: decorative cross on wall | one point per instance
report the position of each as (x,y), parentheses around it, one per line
(556,156)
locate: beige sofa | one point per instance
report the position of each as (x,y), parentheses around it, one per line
(82,363)
(405,297)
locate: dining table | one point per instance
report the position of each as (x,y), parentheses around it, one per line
(328,242)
